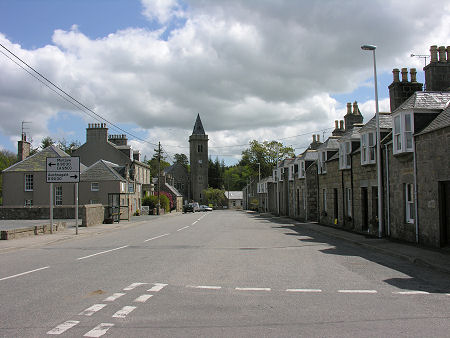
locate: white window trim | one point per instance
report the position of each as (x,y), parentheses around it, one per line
(27,186)
(291,172)
(348,198)
(322,165)
(367,149)
(345,149)
(401,134)
(301,169)
(409,203)
(95,186)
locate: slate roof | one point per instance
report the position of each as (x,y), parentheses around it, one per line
(102,171)
(426,100)
(37,162)
(352,134)
(441,121)
(234,195)
(385,123)
(198,127)
(330,144)
(173,190)
(309,155)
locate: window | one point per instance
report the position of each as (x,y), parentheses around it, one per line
(130,187)
(94,202)
(200,148)
(368,148)
(28,182)
(403,133)
(28,203)
(409,205)
(94,186)
(122,186)
(345,149)
(348,197)
(291,172)
(295,168)
(301,173)
(322,166)
(58,195)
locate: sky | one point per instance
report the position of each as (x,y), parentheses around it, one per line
(253,69)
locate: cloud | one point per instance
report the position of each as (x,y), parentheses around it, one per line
(252,69)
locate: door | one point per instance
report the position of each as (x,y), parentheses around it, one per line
(444,211)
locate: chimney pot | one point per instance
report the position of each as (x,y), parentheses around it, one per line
(318,138)
(341,123)
(442,54)
(349,107)
(433,52)
(404,74)
(314,138)
(413,73)
(336,124)
(448,53)
(396,73)
(355,108)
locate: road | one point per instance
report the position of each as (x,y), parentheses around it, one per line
(217,274)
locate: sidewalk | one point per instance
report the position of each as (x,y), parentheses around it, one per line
(438,259)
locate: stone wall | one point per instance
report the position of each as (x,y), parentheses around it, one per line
(92,214)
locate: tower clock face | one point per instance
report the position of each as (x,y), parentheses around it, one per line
(200,161)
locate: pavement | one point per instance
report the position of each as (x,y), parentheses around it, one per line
(437,259)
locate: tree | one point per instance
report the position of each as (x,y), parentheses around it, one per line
(215,173)
(181,159)
(68,147)
(7,159)
(153,163)
(46,142)
(215,197)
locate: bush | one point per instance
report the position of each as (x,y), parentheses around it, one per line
(152,202)
(165,203)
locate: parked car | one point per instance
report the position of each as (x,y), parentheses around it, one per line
(188,207)
(205,208)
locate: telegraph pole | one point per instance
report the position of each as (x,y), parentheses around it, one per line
(159,176)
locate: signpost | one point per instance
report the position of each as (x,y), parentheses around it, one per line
(63,170)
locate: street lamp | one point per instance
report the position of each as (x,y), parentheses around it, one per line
(377,116)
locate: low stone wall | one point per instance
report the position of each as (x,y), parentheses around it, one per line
(30,231)
(90,214)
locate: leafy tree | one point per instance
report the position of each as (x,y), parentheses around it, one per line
(7,159)
(68,147)
(237,177)
(152,201)
(215,173)
(181,159)
(46,142)
(215,196)
(153,163)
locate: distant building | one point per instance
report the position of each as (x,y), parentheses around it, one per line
(234,199)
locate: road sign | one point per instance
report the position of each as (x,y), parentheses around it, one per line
(63,169)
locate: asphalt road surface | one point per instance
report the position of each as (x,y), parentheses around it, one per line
(217,274)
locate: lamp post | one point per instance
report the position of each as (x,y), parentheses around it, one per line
(259,184)
(377,116)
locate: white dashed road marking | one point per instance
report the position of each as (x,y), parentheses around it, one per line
(63,327)
(24,273)
(357,291)
(151,239)
(304,290)
(157,287)
(194,222)
(133,286)
(411,293)
(91,310)
(253,289)
(99,330)
(187,226)
(113,297)
(143,298)
(103,252)
(210,287)
(122,313)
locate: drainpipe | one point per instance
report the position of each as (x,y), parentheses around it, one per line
(388,199)
(351,191)
(416,204)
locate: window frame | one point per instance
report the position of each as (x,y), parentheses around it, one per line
(403,132)
(345,149)
(409,203)
(322,165)
(368,148)
(58,195)
(348,198)
(29,182)
(95,186)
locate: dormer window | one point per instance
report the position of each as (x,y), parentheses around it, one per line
(368,148)
(403,132)
(322,165)
(345,148)
(301,173)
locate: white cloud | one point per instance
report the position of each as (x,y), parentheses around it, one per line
(252,69)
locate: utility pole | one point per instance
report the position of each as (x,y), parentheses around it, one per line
(159,176)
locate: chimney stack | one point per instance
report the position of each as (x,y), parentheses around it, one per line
(396,73)
(404,74)
(23,147)
(437,71)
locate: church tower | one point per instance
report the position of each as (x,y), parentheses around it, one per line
(198,156)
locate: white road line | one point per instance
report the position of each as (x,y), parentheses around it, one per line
(194,222)
(304,290)
(143,298)
(253,289)
(24,273)
(99,330)
(357,291)
(63,327)
(158,287)
(151,239)
(187,226)
(411,293)
(122,313)
(103,252)
(133,286)
(113,297)
(210,287)
(91,310)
